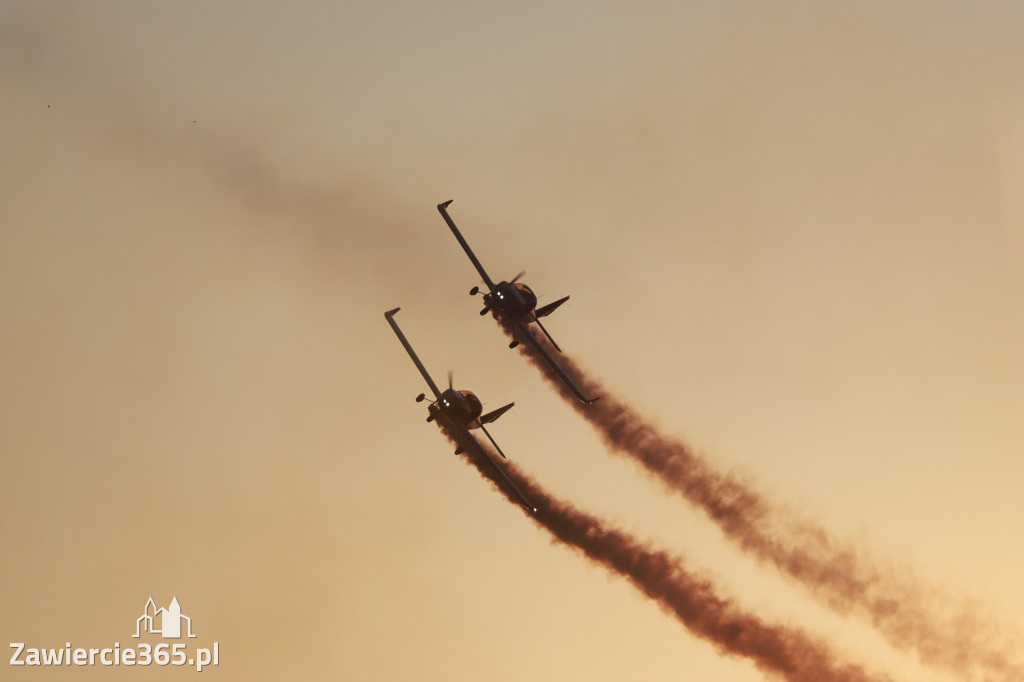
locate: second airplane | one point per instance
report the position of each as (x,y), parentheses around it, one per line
(518,304)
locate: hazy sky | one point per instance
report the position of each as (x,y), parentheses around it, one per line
(793,235)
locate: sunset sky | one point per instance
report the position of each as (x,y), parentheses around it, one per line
(794,238)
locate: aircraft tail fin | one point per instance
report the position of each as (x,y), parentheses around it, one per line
(550,307)
(492,416)
(548,335)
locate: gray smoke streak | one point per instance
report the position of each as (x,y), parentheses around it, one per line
(840,574)
(777,650)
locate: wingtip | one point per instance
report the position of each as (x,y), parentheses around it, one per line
(446,204)
(391,313)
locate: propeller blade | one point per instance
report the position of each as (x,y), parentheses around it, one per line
(516,278)
(450,375)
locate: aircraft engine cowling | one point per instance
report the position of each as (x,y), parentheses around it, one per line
(527,296)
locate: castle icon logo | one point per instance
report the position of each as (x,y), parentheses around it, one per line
(169,620)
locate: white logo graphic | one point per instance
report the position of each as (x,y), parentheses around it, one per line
(165,622)
(170,620)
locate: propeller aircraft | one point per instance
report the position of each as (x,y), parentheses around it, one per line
(518,304)
(459,412)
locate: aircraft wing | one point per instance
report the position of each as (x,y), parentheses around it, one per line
(523,333)
(390,315)
(491,416)
(501,472)
(443,209)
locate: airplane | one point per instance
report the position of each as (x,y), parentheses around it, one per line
(460,411)
(518,303)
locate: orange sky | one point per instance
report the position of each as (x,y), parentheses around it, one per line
(794,237)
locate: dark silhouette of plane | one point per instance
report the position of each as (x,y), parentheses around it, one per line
(517,303)
(460,411)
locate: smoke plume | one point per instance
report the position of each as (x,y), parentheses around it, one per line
(911,617)
(778,651)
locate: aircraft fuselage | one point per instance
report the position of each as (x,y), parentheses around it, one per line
(461,408)
(514,299)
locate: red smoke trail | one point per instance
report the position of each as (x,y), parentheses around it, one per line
(776,650)
(909,616)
